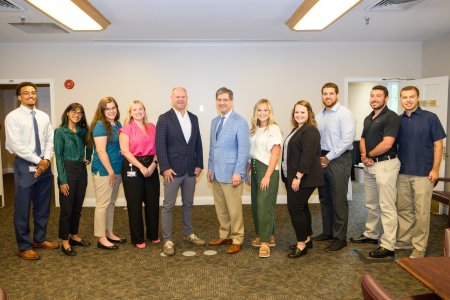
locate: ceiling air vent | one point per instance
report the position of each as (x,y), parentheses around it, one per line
(393,5)
(39,27)
(9,6)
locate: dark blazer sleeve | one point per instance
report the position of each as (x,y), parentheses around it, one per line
(161,143)
(198,141)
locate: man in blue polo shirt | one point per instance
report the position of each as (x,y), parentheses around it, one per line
(420,145)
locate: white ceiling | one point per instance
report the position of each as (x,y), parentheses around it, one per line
(228,21)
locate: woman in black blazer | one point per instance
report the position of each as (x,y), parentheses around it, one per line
(301,173)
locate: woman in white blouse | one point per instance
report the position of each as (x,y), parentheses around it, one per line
(265,148)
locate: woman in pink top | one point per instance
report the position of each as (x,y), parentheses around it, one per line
(139,174)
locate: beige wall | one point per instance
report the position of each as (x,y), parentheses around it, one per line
(436,62)
(283,73)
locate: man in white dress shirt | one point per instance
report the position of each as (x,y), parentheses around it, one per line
(29,135)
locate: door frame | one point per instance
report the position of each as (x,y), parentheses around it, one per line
(50,83)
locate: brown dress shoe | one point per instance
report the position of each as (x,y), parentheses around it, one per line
(28,254)
(234,248)
(218,242)
(45,245)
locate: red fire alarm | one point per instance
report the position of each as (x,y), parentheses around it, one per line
(69,84)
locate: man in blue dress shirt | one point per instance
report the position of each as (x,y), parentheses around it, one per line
(337,128)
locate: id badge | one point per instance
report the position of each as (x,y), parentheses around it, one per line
(32,169)
(131,173)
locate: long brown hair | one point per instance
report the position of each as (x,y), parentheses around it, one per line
(311,116)
(100,116)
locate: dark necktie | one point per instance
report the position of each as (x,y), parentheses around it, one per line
(36,134)
(219,129)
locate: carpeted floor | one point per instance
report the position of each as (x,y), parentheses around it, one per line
(131,273)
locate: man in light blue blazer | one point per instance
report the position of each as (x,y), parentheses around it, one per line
(228,154)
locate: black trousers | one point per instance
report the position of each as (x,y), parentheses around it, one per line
(138,190)
(297,203)
(71,205)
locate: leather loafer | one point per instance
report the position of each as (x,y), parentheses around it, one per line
(45,245)
(120,240)
(322,237)
(381,252)
(308,244)
(363,239)
(336,245)
(217,242)
(296,253)
(28,254)
(69,251)
(234,248)
(79,243)
(101,246)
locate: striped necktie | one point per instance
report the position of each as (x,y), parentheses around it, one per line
(219,129)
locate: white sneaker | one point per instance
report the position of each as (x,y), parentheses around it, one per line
(194,240)
(417,254)
(169,248)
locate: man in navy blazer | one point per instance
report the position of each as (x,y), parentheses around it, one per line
(228,154)
(180,154)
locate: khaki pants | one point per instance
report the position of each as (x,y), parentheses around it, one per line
(228,204)
(106,196)
(380,187)
(413,208)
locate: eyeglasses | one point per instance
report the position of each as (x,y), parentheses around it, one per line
(76,113)
(110,109)
(27,93)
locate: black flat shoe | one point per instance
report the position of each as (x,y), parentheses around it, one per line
(101,246)
(120,240)
(296,253)
(362,239)
(381,252)
(308,244)
(79,243)
(69,251)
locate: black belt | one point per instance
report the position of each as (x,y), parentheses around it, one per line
(383,158)
(325,152)
(144,158)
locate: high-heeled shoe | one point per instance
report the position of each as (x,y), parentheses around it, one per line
(69,251)
(309,244)
(296,253)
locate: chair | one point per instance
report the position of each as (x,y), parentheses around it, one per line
(447,242)
(442,196)
(372,290)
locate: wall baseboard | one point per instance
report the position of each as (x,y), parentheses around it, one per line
(7,171)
